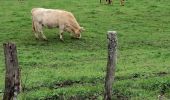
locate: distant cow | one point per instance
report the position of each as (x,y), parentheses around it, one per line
(110,1)
(54,18)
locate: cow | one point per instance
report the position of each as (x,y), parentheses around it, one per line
(110,1)
(54,18)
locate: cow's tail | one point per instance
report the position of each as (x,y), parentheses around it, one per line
(33,23)
(33,26)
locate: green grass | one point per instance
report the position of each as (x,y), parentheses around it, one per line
(75,69)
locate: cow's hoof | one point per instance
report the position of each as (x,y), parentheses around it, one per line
(61,39)
(37,39)
(73,37)
(45,39)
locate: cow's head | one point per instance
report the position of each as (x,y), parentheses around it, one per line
(78,32)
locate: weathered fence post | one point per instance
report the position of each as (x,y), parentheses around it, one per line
(111,64)
(12,78)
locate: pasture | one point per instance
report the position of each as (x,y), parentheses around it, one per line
(75,69)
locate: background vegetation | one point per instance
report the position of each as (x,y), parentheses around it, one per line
(75,69)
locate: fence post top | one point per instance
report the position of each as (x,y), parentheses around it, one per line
(8,43)
(112,32)
(112,35)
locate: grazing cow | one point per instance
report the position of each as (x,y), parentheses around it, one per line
(54,18)
(110,1)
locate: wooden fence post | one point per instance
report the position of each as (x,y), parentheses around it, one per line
(12,78)
(111,64)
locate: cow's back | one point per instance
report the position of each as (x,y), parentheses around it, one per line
(51,15)
(54,18)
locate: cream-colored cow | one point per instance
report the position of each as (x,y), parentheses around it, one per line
(54,18)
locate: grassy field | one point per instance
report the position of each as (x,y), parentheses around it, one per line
(75,69)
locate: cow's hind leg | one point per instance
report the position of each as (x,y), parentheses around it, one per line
(40,31)
(35,31)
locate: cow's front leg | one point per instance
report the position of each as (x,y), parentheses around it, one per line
(61,32)
(43,36)
(36,35)
(61,35)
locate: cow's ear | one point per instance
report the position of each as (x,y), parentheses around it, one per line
(82,29)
